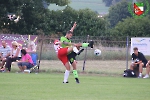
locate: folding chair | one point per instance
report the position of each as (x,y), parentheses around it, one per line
(34,57)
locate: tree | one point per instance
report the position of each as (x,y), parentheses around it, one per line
(88,22)
(118,12)
(132,27)
(32,15)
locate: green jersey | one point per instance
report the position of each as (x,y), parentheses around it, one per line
(64,39)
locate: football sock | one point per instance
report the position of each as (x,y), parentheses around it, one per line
(66,75)
(140,74)
(75,73)
(85,45)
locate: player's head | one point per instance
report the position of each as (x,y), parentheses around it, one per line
(135,50)
(14,44)
(56,42)
(69,34)
(23,52)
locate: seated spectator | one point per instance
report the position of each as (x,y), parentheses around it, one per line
(147,70)
(25,62)
(4,53)
(14,56)
(139,60)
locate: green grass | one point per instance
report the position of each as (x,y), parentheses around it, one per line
(49,86)
(95,5)
(98,67)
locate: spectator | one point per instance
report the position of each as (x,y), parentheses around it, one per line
(4,53)
(139,60)
(147,69)
(14,56)
(25,62)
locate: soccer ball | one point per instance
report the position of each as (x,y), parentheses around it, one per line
(97,52)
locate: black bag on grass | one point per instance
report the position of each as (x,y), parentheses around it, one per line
(129,73)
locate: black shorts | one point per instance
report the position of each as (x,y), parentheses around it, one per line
(144,64)
(71,57)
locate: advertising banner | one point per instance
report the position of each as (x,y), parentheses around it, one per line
(28,42)
(142,43)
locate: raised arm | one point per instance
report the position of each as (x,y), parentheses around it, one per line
(73,27)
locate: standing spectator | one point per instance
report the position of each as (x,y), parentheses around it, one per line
(25,62)
(14,55)
(4,53)
(139,60)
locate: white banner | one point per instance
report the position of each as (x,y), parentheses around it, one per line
(142,43)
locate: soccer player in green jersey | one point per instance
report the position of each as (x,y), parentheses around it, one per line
(66,42)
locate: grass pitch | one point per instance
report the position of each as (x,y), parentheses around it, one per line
(96,67)
(49,86)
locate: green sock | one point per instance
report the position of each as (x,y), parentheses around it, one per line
(75,73)
(85,44)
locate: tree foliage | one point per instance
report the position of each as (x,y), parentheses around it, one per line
(88,22)
(35,17)
(118,12)
(32,15)
(132,27)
